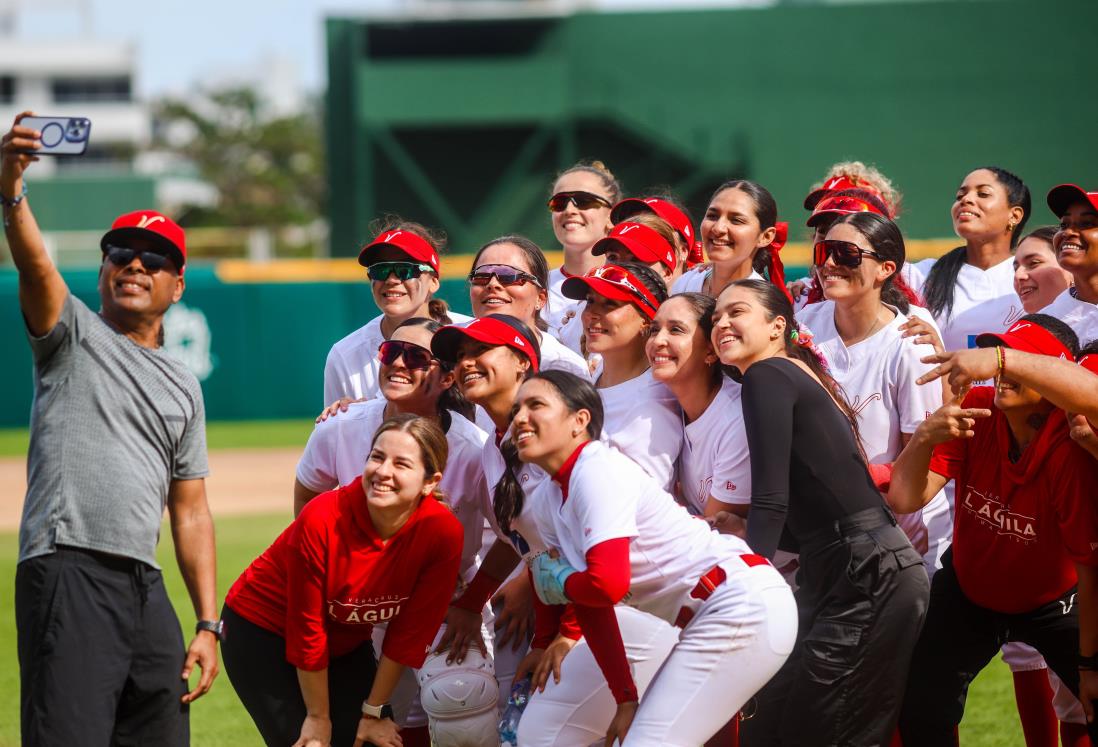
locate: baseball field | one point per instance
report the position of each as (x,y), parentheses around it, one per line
(252,468)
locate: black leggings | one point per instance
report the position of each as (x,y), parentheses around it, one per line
(255,660)
(861,603)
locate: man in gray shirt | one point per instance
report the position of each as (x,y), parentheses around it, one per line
(118,433)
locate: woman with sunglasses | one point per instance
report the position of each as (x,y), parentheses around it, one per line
(383,548)
(863,591)
(857,328)
(402,263)
(415,382)
(971,289)
(742,237)
(580,207)
(642,416)
(510,276)
(491,357)
(645,239)
(612,529)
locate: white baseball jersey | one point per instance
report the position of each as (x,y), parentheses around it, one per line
(983,301)
(644,422)
(570,332)
(1081,316)
(610,497)
(338,447)
(352,366)
(878,377)
(693,281)
(557,357)
(524,536)
(561,308)
(715,460)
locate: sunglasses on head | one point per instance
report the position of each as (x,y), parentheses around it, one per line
(582,200)
(416,357)
(505,274)
(382,271)
(621,277)
(123,255)
(845,253)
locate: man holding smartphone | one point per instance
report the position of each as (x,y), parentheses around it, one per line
(117,434)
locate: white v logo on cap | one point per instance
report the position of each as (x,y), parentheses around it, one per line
(390,237)
(148,220)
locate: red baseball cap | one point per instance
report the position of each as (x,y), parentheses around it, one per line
(152,226)
(835,184)
(834,205)
(1090,362)
(399,245)
(664,209)
(613,282)
(493,329)
(1027,336)
(1062,197)
(643,242)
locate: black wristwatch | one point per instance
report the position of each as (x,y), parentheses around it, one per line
(380,712)
(217,627)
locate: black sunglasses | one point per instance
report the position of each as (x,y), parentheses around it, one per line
(416,357)
(845,253)
(382,271)
(123,255)
(582,200)
(505,274)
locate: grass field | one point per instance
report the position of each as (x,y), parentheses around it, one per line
(219,720)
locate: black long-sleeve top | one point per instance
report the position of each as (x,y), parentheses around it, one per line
(806,468)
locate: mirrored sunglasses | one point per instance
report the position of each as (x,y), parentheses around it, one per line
(415,356)
(582,200)
(382,271)
(505,274)
(844,253)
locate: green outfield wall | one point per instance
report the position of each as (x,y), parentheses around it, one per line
(258,348)
(461,124)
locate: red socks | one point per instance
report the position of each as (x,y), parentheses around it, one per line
(1033,695)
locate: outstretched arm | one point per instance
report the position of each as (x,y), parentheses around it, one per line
(42,292)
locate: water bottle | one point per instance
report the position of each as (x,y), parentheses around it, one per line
(508,725)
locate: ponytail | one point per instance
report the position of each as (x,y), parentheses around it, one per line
(508,498)
(439,311)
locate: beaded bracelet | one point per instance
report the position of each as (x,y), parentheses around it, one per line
(9,204)
(1001,357)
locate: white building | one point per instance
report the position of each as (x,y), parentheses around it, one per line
(93,79)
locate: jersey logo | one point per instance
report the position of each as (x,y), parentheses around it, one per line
(1012,316)
(859,404)
(1066,606)
(366,613)
(729,486)
(993,513)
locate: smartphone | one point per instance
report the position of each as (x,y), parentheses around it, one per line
(61,136)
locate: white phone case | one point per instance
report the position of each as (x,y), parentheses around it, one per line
(61,136)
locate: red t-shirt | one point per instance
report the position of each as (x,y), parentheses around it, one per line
(1020,527)
(329,577)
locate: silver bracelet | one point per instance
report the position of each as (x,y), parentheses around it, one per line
(13,201)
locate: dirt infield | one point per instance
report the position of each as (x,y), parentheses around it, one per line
(241,481)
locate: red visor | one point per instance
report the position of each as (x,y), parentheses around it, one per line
(399,245)
(1062,197)
(834,184)
(493,330)
(643,242)
(613,282)
(664,209)
(832,206)
(1028,337)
